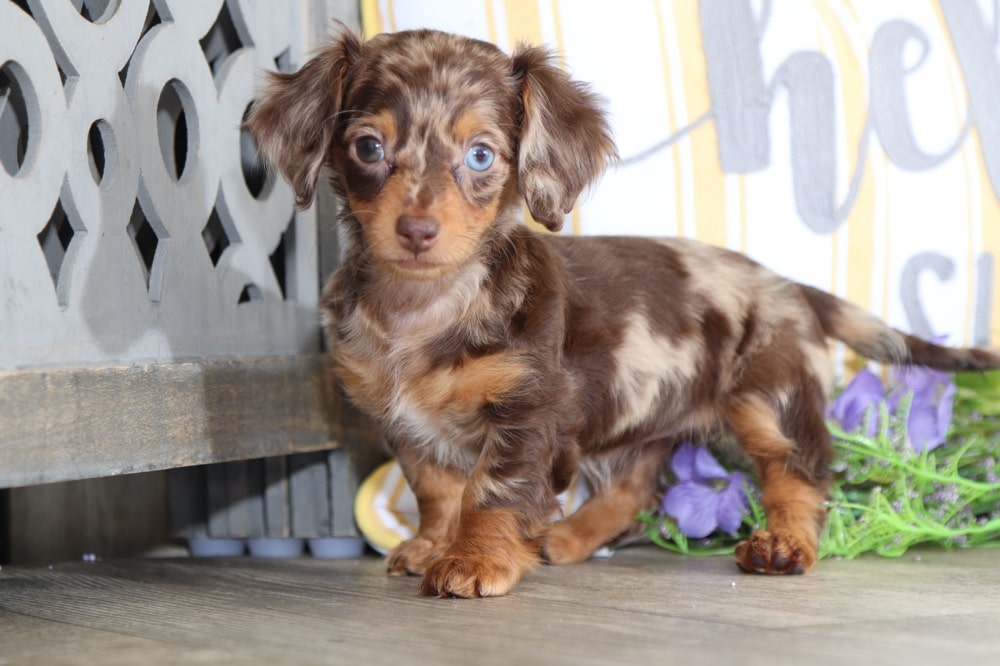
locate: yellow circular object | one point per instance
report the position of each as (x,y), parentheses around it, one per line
(385,508)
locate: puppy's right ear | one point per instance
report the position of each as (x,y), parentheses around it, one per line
(293,121)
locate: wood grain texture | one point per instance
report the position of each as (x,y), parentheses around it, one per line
(59,425)
(82,645)
(123,515)
(641,606)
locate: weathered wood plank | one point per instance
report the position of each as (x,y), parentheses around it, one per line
(310,503)
(29,640)
(188,501)
(61,521)
(641,606)
(277,517)
(343,486)
(64,424)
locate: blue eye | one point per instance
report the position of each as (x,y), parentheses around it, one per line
(479,158)
(370,150)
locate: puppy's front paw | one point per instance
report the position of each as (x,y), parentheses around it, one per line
(477,572)
(775,553)
(412,556)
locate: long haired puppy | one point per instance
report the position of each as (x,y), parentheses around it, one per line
(501,362)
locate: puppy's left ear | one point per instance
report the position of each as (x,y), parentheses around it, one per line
(565,142)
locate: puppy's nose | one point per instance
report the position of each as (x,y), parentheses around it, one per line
(417,234)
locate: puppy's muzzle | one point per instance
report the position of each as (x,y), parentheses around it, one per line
(417,234)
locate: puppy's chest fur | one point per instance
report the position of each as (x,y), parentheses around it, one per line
(429,374)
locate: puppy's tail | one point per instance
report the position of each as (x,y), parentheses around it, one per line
(872,338)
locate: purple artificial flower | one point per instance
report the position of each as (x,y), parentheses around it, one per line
(706,497)
(931,408)
(856,401)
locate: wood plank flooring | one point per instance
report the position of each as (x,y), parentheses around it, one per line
(641,606)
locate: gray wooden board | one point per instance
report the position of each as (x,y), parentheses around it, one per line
(78,423)
(343,486)
(127,515)
(641,606)
(310,508)
(276,507)
(188,501)
(218,500)
(246,501)
(301,495)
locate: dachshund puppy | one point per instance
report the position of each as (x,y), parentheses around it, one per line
(501,362)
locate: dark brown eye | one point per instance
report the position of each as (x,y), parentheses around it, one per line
(369,150)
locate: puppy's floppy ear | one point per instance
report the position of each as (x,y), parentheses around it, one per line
(564,143)
(294,120)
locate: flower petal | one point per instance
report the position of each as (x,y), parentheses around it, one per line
(856,400)
(925,383)
(682,462)
(732,504)
(932,397)
(946,409)
(706,467)
(694,507)
(922,426)
(930,419)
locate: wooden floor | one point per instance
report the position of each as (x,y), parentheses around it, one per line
(641,606)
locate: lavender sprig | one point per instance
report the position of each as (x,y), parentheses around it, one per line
(914,464)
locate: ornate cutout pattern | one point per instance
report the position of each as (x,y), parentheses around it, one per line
(138,223)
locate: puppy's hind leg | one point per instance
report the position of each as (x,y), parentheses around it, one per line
(792,474)
(609,513)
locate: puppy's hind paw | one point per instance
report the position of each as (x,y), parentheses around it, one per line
(561,546)
(774,553)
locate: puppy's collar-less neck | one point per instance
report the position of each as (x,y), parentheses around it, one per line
(437,301)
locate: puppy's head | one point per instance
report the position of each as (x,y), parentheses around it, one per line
(431,137)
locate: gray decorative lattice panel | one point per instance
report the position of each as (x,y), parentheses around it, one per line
(136,225)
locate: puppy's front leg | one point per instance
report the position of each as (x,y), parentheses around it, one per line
(439,500)
(487,559)
(503,510)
